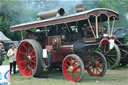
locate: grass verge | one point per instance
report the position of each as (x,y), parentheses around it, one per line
(118,76)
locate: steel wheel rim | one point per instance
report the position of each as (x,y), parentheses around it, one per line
(71,69)
(26,59)
(96,65)
(111,55)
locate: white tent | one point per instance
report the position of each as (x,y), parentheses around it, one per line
(3,38)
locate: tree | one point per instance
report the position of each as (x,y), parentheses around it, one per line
(7,15)
(14,12)
(119,6)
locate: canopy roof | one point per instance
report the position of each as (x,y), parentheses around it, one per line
(66,19)
(3,38)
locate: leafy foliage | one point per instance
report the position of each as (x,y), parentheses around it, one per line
(119,6)
(7,18)
(14,12)
(126,38)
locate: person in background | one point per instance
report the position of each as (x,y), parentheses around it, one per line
(2,52)
(12,58)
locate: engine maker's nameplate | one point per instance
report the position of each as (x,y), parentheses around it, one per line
(45,55)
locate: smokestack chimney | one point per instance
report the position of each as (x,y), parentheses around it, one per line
(79,8)
(50,14)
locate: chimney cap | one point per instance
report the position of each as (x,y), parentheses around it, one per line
(79,8)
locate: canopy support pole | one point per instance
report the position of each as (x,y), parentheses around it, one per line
(109,27)
(67,27)
(22,37)
(91,28)
(97,35)
(113,26)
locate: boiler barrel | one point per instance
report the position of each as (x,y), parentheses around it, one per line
(82,49)
(78,47)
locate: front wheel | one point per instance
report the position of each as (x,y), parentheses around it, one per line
(97,65)
(73,68)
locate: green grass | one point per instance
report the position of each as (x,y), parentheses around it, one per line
(118,76)
(6,61)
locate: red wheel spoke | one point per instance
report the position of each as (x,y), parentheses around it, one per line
(29,49)
(33,61)
(98,70)
(27,57)
(67,65)
(31,52)
(70,62)
(76,68)
(30,64)
(31,68)
(77,71)
(73,75)
(102,64)
(25,69)
(24,47)
(34,66)
(73,68)
(100,61)
(33,56)
(22,52)
(23,61)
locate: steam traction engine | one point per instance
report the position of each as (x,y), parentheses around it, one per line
(63,41)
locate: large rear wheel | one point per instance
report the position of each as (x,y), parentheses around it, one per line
(112,55)
(73,68)
(29,57)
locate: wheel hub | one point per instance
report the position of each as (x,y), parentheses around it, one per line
(29,57)
(97,64)
(70,69)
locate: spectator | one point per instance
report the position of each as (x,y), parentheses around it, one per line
(12,58)
(2,52)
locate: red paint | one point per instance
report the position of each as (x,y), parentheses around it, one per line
(26,64)
(96,65)
(115,38)
(104,41)
(66,48)
(74,75)
(56,56)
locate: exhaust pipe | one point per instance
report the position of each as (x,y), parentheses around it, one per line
(52,13)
